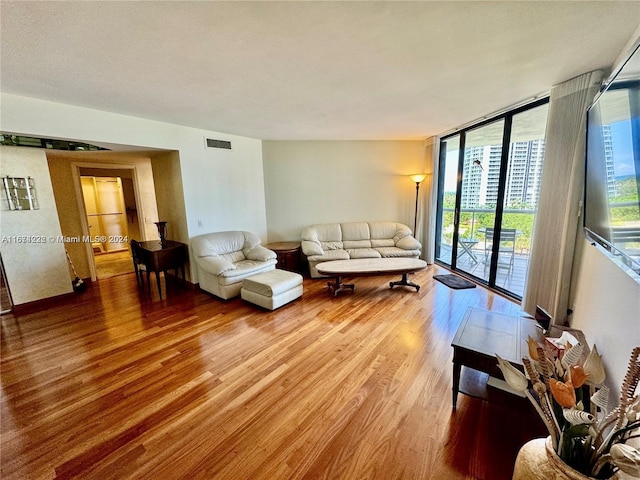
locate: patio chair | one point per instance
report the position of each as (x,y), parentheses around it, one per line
(507,249)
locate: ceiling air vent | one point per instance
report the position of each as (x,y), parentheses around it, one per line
(211,143)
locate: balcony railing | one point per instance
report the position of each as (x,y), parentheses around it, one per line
(476,261)
(474,219)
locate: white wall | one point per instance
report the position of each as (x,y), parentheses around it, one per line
(309,182)
(223,189)
(607,309)
(33,255)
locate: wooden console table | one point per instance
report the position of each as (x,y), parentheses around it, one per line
(158,258)
(482,334)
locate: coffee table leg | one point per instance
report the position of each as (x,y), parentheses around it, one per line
(337,286)
(456,381)
(405,283)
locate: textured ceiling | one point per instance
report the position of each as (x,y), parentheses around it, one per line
(306,70)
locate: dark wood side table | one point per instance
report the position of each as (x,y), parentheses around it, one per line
(158,258)
(289,255)
(482,334)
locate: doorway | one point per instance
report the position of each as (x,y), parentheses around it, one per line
(111,215)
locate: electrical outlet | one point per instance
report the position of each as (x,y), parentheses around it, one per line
(200,224)
(148,220)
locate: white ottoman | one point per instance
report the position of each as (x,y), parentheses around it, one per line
(272,289)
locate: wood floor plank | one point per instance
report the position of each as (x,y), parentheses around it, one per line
(114,384)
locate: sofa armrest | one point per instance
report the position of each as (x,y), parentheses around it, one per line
(261,254)
(310,248)
(215,265)
(408,243)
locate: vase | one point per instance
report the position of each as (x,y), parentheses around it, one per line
(537,460)
(162,232)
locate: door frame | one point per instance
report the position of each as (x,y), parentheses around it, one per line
(77,184)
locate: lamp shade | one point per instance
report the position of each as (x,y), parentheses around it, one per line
(418,177)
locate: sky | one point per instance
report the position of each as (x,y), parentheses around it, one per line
(623,164)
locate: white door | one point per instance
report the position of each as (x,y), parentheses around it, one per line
(106,213)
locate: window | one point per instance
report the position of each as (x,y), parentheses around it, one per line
(488,190)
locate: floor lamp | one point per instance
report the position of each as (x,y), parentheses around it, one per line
(417,177)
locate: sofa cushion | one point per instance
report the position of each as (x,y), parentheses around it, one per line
(251,241)
(384,230)
(273,282)
(363,253)
(383,242)
(234,257)
(326,232)
(331,246)
(355,231)
(356,244)
(217,243)
(329,255)
(387,252)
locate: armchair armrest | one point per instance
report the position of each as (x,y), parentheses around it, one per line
(215,265)
(261,254)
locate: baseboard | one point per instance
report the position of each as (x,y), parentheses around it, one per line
(45,303)
(184,283)
(190,286)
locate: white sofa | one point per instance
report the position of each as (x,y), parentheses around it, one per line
(224,259)
(345,241)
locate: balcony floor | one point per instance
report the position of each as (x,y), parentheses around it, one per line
(512,280)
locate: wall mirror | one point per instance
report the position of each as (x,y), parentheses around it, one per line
(21,193)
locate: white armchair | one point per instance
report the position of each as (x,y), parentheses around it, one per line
(224,259)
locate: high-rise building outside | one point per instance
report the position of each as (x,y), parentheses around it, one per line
(612,184)
(481,175)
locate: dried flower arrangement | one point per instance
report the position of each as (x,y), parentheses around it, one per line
(573,404)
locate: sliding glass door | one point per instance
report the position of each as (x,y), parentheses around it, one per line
(487,197)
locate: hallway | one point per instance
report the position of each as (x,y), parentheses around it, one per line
(112,264)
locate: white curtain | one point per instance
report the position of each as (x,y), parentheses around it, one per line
(558,218)
(427,201)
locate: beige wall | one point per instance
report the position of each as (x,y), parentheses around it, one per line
(309,182)
(61,165)
(38,268)
(167,179)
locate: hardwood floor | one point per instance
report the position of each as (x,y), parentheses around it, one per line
(115,385)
